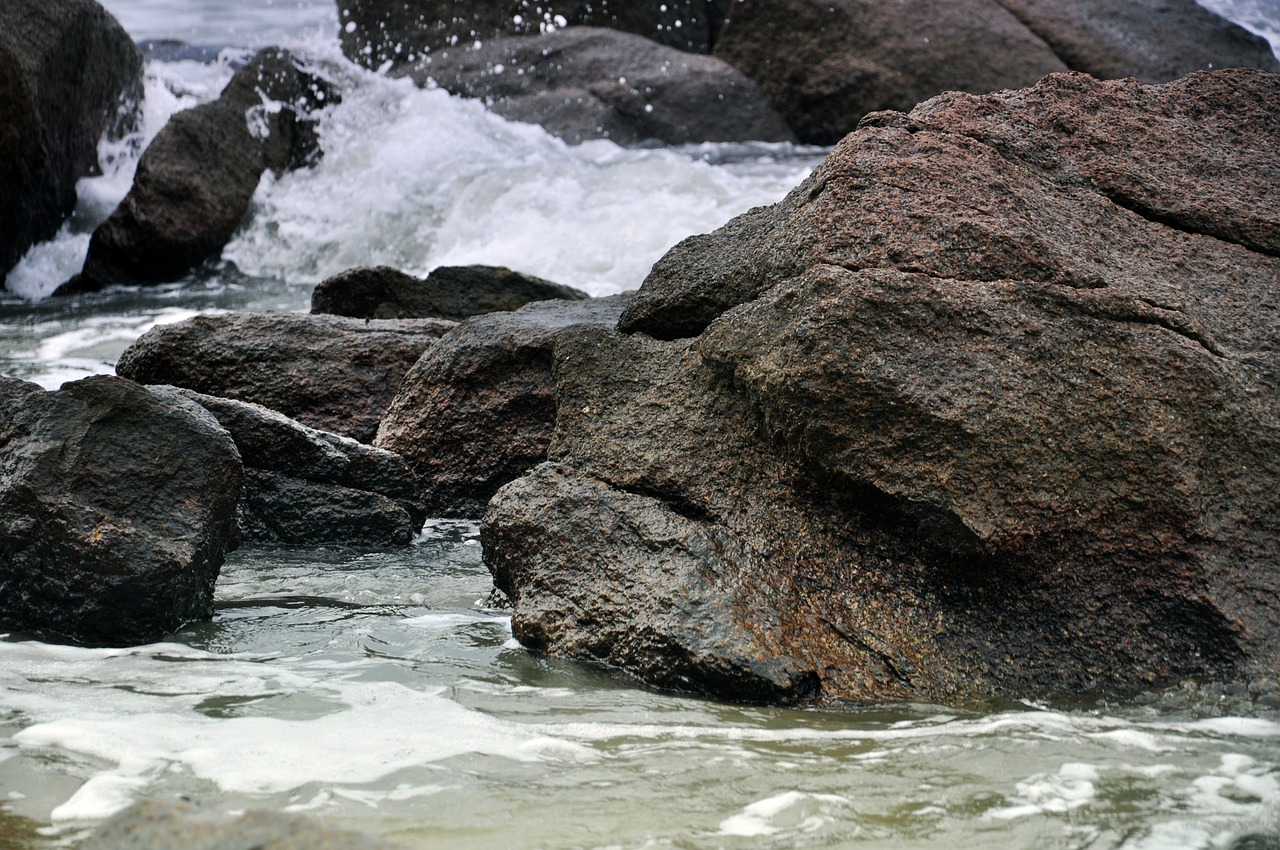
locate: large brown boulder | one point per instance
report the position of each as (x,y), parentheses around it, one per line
(116,509)
(591,83)
(977,411)
(69,74)
(329,372)
(194,183)
(826,64)
(477,410)
(449,292)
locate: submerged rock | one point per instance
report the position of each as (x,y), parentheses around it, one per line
(304,485)
(477,410)
(449,292)
(69,74)
(329,372)
(166,824)
(116,510)
(194,183)
(591,83)
(977,411)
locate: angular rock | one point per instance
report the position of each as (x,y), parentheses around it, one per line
(477,410)
(166,824)
(194,183)
(589,83)
(952,423)
(1153,40)
(824,65)
(69,74)
(377,32)
(449,292)
(329,372)
(116,509)
(309,486)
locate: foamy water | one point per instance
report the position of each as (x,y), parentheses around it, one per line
(375,690)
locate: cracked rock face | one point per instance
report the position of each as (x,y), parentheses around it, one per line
(987,407)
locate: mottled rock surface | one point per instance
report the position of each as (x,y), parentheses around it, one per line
(591,83)
(194,183)
(977,411)
(116,509)
(478,409)
(69,74)
(448,292)
(309,486)
(329,372)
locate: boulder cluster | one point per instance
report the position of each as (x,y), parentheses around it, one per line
(988,407)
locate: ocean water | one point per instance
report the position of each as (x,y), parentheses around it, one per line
(376,690)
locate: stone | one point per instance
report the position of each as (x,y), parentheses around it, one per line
(165,824)
(69,75)
(309,486)
(194,183)
(585,83)
(116,510)
(329,372)
(977,412)
(449,292)
(478,409)
(388,33)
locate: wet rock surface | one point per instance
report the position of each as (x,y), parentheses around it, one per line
(590,83)
(309,486)
(478,409)
(947,423)
(69,74)
(448,292)
(196,179)
(116,509)
(329,372)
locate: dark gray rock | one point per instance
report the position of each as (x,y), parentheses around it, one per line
(449,292)
(589,83)
(69,74)
(477,410)
(329,372)
(375,33)
(116,509)
(970,414)
(194,183)
(310,486)
(167,824)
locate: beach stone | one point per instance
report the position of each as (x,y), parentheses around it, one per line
(194,183)
(448,292)
(329,372)
(971,414)
(69,74)
(116,510)
(309,486)
(381,33)
(166,824)
(477,410)
(585,83)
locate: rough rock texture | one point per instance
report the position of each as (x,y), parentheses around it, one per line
(195,181)
(589,83)
(329,372)
(116,509)
(69,74)
(826,63)
(478,409)
(167,824)
(948,422)
(449,292)
(309,486)
(377,32)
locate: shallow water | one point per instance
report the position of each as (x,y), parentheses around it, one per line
(376,690)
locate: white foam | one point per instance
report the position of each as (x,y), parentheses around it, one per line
(757,819)
(1071,787)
